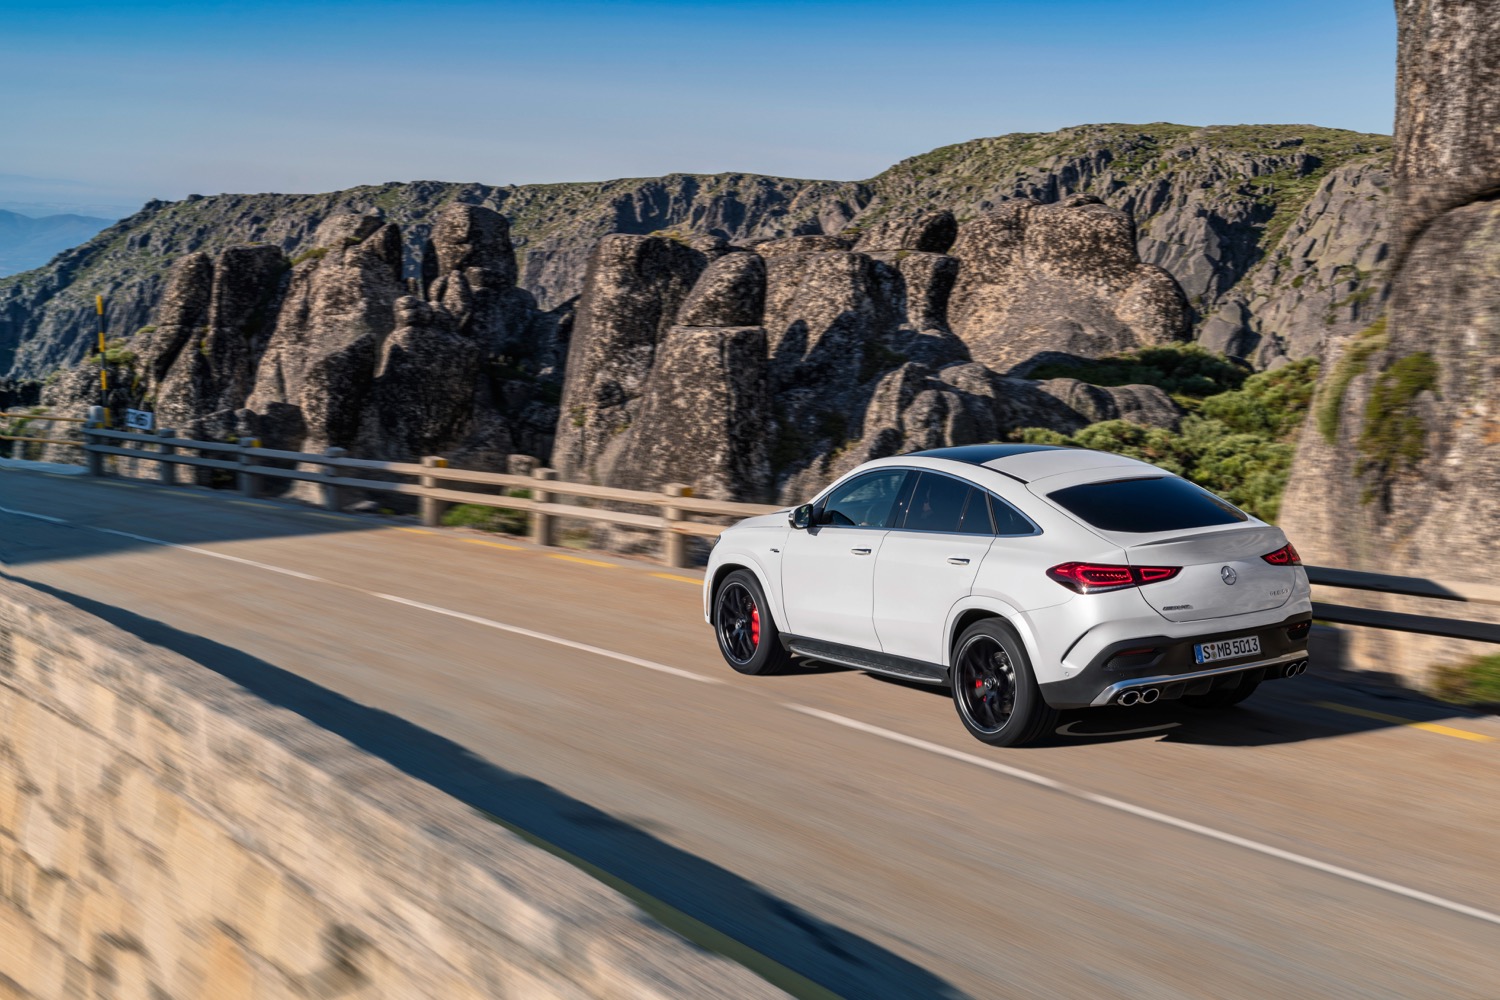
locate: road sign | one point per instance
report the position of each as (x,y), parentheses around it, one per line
(139,420)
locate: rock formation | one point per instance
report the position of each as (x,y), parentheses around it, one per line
(759,375)
(1401,471)
(1211,207)
(332,350)
(1042,280)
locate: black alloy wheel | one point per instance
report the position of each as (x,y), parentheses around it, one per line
(748,637)
(994,690)
(986,681)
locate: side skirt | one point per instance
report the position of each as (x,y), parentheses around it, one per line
(864,659)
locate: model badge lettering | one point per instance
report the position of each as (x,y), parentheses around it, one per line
(1177,607)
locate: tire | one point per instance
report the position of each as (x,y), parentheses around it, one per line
(994,689)
(748,638)
(1222,698)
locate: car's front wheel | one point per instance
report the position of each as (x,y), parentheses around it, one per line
(748,637)
(994,689)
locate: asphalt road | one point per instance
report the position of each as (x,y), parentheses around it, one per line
(1312,843)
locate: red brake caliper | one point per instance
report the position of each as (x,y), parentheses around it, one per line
(754,626)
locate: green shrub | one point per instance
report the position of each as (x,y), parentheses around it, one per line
(1394,435)
(1474,682)
(315,253)
(1350,365)
(1178,369)
(1238,444)
(484,518)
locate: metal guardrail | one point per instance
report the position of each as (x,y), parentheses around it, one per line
(336,473)
(1406,586)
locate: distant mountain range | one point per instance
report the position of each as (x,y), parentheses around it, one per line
(27,242)
(1274,232)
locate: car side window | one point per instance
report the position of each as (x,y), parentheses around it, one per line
(976,519)
(1008,520)
(864,501)
(942,503)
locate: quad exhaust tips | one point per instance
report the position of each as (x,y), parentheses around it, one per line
(1151,695)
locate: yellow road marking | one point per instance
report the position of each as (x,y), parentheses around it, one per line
(415,531)
(1431,727)
(674,576)
(579,559)
(494,545)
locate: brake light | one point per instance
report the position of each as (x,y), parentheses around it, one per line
(1094,578)
(1284,556)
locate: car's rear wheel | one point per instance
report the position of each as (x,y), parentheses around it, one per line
(994,689)
(1220,698)
(748,638)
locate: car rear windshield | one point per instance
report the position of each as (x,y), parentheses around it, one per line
(1160,503)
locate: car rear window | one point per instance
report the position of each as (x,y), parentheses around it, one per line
(1160,503)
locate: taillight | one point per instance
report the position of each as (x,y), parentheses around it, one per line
(1284,556)
(1094,578)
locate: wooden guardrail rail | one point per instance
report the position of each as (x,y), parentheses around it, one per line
(11,417)
(435,487)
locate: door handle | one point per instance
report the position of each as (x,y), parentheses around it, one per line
(958,560)
(860,552)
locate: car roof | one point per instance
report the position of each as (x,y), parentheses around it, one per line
(1030,462)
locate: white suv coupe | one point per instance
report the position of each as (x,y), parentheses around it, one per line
(1027,578)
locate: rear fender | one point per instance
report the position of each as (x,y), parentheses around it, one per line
(1001,609)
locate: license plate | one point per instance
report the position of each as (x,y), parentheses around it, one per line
(1227,649)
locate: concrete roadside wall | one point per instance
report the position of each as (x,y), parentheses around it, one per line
(165,834)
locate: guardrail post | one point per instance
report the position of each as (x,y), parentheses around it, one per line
(541,524)
(674,545)
(249,482)
(94,459)
(432,508)
(166,471)
(333,496)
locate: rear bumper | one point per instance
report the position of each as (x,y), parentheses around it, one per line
(1171,669)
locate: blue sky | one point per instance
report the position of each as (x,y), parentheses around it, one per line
(114,103)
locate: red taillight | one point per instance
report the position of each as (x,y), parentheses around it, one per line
(1092,578)
(1284,556)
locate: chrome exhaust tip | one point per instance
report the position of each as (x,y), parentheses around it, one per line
(1149,696)
(1130,698)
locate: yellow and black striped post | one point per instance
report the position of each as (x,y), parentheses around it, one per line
(103,364)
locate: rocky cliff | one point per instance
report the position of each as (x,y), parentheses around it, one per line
(1212,207)
(760,372)
(1400,472)
(336,348)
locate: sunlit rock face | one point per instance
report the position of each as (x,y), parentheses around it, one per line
(1400,470)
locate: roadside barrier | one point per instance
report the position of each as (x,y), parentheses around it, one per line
(14,426)
(437,487)
(434,487)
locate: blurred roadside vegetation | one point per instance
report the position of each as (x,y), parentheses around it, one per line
(502,520)
(1474,682)
(1238,437)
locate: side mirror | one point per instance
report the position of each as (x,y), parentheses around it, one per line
(801,517)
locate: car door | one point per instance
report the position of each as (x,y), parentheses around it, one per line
(927,564)
(828,570)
